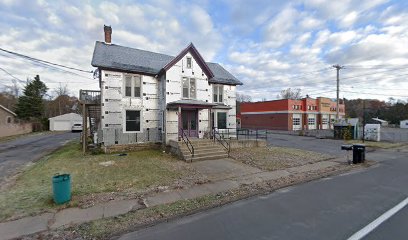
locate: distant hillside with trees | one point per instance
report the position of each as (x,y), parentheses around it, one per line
(392,110)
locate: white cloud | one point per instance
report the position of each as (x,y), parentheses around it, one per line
(280,28)
(349,19)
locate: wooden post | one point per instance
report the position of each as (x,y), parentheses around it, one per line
(84,128)
(179,124)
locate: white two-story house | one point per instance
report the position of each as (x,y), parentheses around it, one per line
(153,97)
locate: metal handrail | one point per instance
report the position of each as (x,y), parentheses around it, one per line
(188,143)
(221,139)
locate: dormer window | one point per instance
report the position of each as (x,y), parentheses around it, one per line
(188,62)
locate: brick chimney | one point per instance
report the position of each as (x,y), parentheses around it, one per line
(108,34)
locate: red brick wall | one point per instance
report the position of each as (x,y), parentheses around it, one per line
(280,121)
(276,105)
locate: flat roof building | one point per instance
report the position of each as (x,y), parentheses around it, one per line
(290,114)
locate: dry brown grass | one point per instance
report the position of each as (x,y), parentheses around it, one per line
(275,158)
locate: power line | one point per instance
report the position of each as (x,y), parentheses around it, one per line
(11,75)
(368,74)
(390,89)
(43,61)
(382,66)
(379,94)
(41,64)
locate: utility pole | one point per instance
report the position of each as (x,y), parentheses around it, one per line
(338,67)
(364,119)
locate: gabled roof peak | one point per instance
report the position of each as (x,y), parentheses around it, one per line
(196,55)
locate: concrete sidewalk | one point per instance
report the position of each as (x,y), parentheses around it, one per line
(68,216)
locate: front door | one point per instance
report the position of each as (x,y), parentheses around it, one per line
(189,122)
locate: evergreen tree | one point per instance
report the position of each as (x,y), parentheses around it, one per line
(30,105)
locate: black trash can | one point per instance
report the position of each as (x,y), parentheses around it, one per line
(358,153)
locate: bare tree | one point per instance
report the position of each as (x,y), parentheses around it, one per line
(243,98)
(290,94)
(61,90)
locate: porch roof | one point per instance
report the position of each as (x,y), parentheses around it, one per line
(190,103)
(221,106)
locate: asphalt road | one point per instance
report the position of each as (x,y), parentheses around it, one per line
(394,228)
(329,146)
(331,208)
(16,153)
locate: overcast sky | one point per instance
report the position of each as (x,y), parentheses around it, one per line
(269,45)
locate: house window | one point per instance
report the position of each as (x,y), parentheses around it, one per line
(222,120)
(296,121)
(132,86)
(189,88)
(132,121)
(325,121)
(218,91)
(188,62)
(8,119)
(311,121)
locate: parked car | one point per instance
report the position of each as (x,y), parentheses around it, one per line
(77,127)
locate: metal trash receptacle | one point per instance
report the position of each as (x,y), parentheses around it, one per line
(61,188)
(358,153)
(348,148)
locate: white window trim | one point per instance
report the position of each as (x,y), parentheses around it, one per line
(216,119)
(124,120)
(217,86)
(189,87)
(132,86)
(191,62)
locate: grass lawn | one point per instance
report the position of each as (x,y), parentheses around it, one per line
(275,158)
(135,173)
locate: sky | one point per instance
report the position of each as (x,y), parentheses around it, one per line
(269,45)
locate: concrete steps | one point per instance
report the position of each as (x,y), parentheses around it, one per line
(204,149)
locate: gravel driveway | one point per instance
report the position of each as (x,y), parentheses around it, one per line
(16,153)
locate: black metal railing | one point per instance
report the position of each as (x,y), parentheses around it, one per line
(188,143)
(220,138)
(90,96)
(252,134)
(243,133)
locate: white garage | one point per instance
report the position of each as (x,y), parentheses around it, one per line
(64,122)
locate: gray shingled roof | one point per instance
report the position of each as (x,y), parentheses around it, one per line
(136,60)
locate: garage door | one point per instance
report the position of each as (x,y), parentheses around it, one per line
(325,121)
(311,121)
(62,126)
(297,122)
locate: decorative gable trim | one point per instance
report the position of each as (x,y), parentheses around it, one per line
(197,57)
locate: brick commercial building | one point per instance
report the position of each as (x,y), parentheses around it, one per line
(289,114)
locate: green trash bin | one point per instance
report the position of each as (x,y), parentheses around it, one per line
(61,188)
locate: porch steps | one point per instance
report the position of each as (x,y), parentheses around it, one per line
(204,149)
